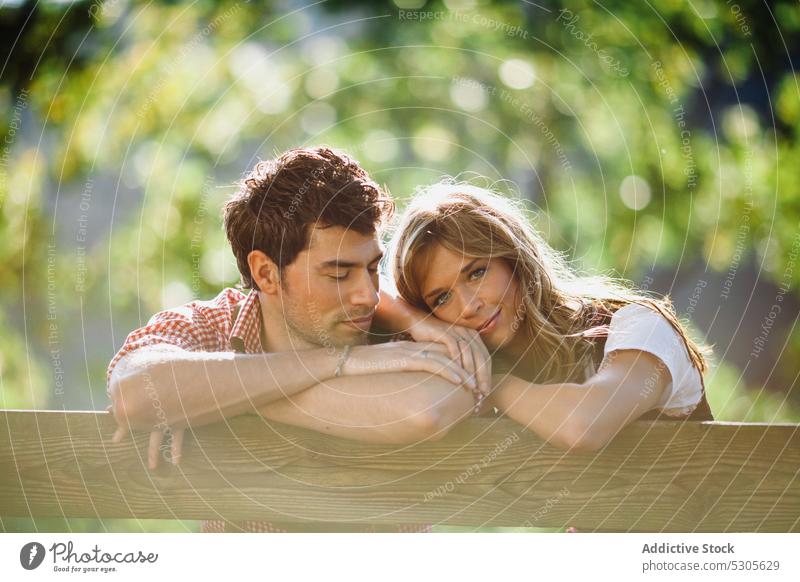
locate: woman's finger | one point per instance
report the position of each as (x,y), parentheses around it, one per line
(483,365)
(156,437)
(468,360)
(439,364)
(464,377)
(452,347)
(463,347)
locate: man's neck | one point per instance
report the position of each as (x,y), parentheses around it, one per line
(276,336)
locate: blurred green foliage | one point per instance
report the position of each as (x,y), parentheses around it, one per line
(643,135)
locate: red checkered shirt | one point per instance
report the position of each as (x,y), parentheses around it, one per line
(209,326)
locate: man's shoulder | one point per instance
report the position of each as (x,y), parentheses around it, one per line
(227,300)
(216,310)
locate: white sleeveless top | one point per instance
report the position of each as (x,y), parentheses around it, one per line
(636,327)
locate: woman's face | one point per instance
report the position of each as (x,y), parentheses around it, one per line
(478,293)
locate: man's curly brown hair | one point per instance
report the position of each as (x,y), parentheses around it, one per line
(281,200)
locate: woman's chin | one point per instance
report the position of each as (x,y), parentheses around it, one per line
(500,340)
(493,342)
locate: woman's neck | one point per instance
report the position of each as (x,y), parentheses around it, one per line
(517,357)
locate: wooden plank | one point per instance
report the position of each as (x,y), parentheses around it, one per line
(656,476)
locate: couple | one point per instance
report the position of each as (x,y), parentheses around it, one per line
(499,323)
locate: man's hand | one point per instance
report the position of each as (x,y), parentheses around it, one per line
(155,446)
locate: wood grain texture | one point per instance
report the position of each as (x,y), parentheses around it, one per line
(655,476)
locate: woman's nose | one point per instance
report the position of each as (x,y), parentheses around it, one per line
(473,305)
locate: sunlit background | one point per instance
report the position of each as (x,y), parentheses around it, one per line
(655,141)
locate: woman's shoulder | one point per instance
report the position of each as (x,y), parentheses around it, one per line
(642,327)
(632,310)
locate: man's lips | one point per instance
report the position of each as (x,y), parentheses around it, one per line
(488,325)
(362,323)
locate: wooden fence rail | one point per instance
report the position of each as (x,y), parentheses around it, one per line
(655,476)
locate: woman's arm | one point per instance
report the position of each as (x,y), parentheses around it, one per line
(395,314)
(586,416)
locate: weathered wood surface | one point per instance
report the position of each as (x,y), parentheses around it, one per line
(656,476)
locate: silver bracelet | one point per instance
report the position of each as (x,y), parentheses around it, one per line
(342,360)
(478,403)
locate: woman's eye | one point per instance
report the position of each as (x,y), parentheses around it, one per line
(339,277)
(477,273)
(441,299)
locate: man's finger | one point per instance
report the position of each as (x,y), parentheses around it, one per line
(119,434)
(177,445)
(152,450)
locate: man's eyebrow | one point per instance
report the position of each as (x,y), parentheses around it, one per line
(464,269)
(339,264)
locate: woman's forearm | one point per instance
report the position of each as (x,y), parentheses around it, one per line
(586,416)
(562,414)
(394,314)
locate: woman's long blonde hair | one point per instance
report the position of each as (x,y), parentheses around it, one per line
(559,308)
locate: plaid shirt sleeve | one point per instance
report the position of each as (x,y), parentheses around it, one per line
(181,327)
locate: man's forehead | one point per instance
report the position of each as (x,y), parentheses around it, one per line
(339,242)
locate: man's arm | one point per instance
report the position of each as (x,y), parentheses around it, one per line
(168,386)
(382,408)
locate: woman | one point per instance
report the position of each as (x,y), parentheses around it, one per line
(581,357)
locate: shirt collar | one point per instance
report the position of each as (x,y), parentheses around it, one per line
(246,330)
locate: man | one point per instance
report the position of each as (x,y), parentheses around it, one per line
(305,230)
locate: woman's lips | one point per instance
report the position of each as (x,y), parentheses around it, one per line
(490,323)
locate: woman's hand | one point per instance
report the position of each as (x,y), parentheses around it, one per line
(463,344)
(407,357)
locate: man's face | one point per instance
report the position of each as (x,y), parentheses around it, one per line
(330,292)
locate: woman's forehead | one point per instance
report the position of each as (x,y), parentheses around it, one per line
(440,266)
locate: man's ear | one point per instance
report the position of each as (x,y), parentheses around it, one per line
(265,273)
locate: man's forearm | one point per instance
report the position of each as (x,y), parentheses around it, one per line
(384,408)
(179,388)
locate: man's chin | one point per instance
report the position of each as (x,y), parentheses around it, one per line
(348,335)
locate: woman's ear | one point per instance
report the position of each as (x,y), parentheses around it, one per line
(265,273)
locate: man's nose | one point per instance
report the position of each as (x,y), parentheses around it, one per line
(365,293)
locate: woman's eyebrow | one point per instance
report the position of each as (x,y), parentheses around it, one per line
(464,269)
